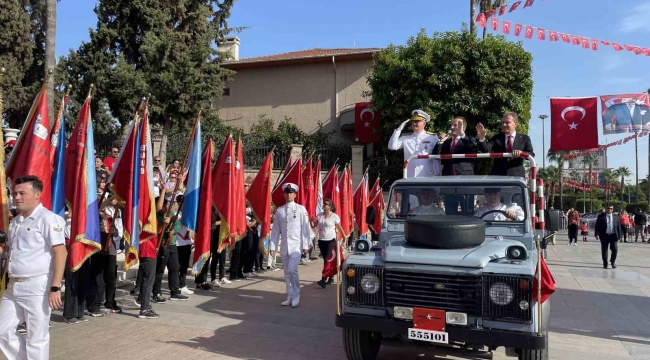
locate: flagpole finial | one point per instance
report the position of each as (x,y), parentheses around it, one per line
(49,74)
(90,90)
(67,90)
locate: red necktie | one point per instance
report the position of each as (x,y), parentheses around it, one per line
(453,145)
(509,144)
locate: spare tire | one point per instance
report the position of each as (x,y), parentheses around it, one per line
(444,232)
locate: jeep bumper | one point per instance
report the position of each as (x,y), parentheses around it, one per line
(488,337)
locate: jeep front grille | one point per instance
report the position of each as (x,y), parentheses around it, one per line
(449,292)
(360,298)
(512,312)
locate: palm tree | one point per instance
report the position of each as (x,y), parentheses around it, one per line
(472,17)
(557,156)
(50,54)
(487,5)
(551,178)
(590,160)
(623,171)
(610,177)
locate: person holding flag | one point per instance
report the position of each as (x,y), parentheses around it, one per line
(326,224)
(292,224)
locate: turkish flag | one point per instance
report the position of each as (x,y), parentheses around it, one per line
(606,43)
(259,197)
(502,10)
(329,269)
(489,13)
(293,175)
(377,201)
(585,43)
(594,44)
(541,34)
(518,28)
(529,3)
(344,209)
(514,6)
(495,23)
(646,51)
(638,50)
(366,123)
(617,47)
(309,201)
(361,200)
(223,191)
(575,40)
(574,123)
(548,282)
(506,27)
(529,32)
(553,35)
(481,20)
(239,195)
(565,38)
(628,47)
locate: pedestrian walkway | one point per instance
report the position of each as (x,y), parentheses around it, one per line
(597,314)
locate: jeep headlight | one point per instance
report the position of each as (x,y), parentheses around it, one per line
(501,293)
(370,283)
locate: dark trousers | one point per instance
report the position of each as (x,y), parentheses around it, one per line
(184,258)
(76,291)
(235,261)
(326,248)
(247,252)
(167,257)
(609,241)
(218,259)
(103,272)
(573,233)
(146,278)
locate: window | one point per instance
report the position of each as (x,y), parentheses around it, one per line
(226,92)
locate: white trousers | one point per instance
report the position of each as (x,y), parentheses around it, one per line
(26,301)
(290,265)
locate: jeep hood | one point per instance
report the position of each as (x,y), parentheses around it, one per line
(400,251)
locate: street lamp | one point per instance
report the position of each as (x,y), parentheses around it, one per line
(628,182)
(543,117)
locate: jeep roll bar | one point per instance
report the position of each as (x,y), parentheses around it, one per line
(537,214)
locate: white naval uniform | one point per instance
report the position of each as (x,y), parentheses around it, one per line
(431,209)
(497,216)
(416,144)
(292,224)
(30,271)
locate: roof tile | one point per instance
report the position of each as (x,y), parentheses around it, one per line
(304,54)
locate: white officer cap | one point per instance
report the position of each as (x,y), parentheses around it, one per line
(418,115)
(290,188)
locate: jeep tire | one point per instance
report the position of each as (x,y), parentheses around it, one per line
(444,232)
(526,354)
(361,344)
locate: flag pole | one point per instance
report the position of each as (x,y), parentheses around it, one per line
(4,268)
(539,287)
(178,179)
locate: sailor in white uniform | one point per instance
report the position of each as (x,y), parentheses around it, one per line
(37,257)
(419,142)
(512,212)
(428,206)
(291,222)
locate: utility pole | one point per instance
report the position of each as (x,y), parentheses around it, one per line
(636,171)
(543,117)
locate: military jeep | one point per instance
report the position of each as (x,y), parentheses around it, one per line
(448,277)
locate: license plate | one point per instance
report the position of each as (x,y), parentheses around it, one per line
(439,337)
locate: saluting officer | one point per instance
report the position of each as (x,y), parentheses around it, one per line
(419,142)
(292,223)
(37,257)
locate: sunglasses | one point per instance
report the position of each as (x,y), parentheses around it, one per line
(610,208)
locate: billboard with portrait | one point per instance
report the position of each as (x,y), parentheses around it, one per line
(625,113)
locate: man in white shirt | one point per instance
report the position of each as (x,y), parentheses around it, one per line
(37,258)
(428,206)
(419,142)
(502,212)
(291,222)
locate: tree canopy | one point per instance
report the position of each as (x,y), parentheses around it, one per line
(452,74)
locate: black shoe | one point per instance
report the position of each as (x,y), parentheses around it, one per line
(134,292)
(158,299)
(322,283)
(613,266)
(178,297)
(116,310)
(604,266)
(148,314)
(206,287)
(330,280)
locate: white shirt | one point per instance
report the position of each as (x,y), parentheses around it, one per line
(327,226)
(514,134)
(290,222)
(431,209)
(610,223)
(497,216)
(31,240)
(417,144)
(182,235)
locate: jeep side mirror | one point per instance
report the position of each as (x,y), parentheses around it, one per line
(370,215)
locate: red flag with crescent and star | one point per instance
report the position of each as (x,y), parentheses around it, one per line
(553,35)
(366,123)
(565,37)
(529,32)
(574,123)
(506,27)
(518,28)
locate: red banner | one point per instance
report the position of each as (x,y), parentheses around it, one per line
(204,218)
(366,123)
(574,123)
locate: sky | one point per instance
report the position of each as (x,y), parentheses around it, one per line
(559,69)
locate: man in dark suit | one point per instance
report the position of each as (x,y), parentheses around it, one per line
(626,116)
(458,143)
(507,142)
(608,231)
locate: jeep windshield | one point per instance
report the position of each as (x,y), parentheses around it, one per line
(492,203)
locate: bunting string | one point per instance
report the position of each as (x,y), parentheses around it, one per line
(577,154)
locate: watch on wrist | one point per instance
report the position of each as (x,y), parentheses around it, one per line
(55,289)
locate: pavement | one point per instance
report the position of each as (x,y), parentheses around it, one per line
(597,314)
